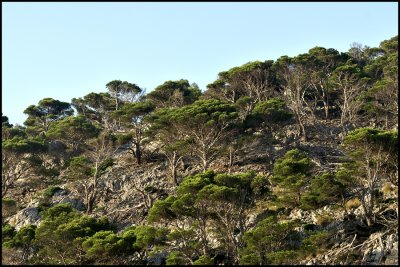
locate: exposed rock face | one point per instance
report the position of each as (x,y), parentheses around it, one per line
(129,191)
(393,257)
(353,242)
(29,215)
(382,249)
(62,196)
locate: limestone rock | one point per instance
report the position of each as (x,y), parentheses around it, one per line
(63,196)
(29,215)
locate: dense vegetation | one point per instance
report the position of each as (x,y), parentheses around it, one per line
(263,140)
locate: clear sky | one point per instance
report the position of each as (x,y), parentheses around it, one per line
(66,50)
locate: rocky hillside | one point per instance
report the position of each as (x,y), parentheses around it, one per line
(285,162)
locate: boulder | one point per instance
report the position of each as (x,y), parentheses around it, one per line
(29,215)
(62,196)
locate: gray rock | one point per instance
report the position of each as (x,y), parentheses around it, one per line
(62,196)
(25,217)
(393,257)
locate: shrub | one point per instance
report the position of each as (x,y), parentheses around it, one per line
(7,234)
(8,201)
(316,242)
(176,258)
(50,191)
(9,207)
(203,260)
(323,219)
(283,257)
(352,203)
(387,188)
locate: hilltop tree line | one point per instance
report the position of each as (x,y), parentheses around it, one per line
(349,99)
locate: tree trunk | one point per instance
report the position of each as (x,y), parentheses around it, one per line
(174,176)
(173,163)
(230,163)
(90,205)
(138,153)
(301,126)
(205,160)
(326,109)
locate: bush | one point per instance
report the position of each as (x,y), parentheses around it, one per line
(176,258)
(325,189)
(8,201)
(9,207)
(352,203)
(324,219)
(283,257)
(50,191)
(25,236)
(316,242)
(203,260)
(387,189)
(7,234)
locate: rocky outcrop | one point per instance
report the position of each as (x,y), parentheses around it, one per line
(130,190)
(26,216)
(381,248)
(63,196)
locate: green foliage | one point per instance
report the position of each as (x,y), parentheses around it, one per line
(370,148)
(8,202)
(61,233)
(204,260)
(9,133)
(176,258)
(251,79)
(209,112)
(133,112)
(25,236)
(315,242)
(372,160)
(269,114)
(193,184)
(162,210)
(292,174)
(391,45)
(44,202)
(94,106)
(19,243)
(7,234)
(5,122)
(105,164)
(18,144)
(50,191)
(47,111)
(122,139)
(283,257)
(123,92)
(73,130)
(218,200)
(268,237)
(8,207)
(105,247)
(207,216)
(324,189)
(375,139)
(166,130)
(186,241)
(174,94)
(148,236)
(79,167)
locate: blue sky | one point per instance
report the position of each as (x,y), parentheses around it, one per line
(66,50)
